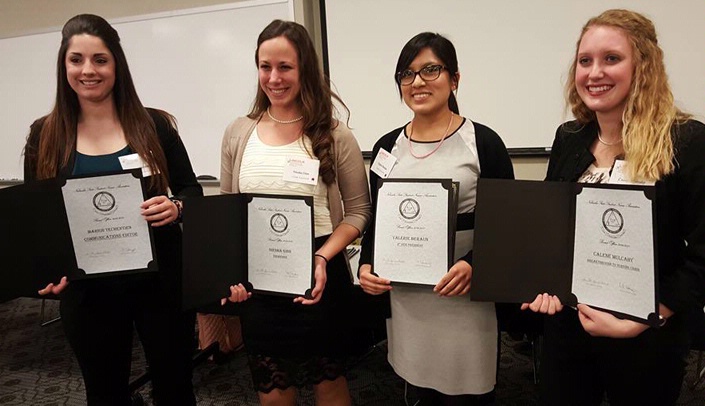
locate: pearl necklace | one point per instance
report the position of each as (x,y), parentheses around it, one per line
(445,135)
(276,120)
(609,144)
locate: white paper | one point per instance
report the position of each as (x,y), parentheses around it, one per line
(613,261)
(280,245)
(411,232)
(108,232)
(134,161)
(619,175)
(383,164)
(301,170)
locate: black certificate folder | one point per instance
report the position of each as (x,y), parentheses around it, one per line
(585,243)
(79,227)
(107,230)
(265,242)
(35,241)
(414,230)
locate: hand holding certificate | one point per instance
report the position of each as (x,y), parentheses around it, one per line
(83,227)
(248,242)
(279,246)
(592,244)
(107,230)
(414,228)
(613,255)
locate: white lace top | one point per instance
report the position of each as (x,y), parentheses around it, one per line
(262,170)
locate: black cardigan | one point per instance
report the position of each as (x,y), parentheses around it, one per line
(494,163)
(182,180)
(680,207)
(167,239)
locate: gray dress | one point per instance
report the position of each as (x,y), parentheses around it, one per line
(445,343)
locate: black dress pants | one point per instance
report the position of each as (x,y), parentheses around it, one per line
(578,369)
(98,318)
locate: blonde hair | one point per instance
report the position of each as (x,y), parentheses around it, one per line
(650,111)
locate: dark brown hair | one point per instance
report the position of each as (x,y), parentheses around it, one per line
(442,48)
(315,97)
(58,133)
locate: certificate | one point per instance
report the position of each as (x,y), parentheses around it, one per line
(80,228)
(585,243)
(280,244)
(265,242)
(108,231)
(613,254)
(414,230)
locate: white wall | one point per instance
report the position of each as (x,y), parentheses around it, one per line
(21,17)
(197,64)
(513,56)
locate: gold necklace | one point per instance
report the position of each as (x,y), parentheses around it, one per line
(609,144)
(276,120)
(445,135)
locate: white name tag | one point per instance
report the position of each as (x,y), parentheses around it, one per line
(619,175)
(383,164)
(134,161)
(301,170)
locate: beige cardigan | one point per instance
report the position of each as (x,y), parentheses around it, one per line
(348,196)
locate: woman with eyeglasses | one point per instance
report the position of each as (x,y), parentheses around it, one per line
(439,341)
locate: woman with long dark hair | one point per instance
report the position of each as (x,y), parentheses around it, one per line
(98,118)
(292,344)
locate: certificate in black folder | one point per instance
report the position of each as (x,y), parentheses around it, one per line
(414,230)
(593,244)
(108,233)
(265,242)
(80,228)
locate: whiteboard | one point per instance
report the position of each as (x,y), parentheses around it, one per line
(198,64)
(513,58)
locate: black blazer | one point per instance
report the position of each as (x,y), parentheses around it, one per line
(167,239)
(681,207)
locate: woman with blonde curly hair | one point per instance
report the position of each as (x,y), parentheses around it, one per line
(624,111)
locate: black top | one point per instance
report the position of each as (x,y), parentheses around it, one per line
(680,207)
(182,180)
(167,239)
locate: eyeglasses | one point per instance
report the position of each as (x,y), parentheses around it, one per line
(427,73)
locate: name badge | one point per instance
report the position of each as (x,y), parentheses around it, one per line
(619,175)
(301,170)
(134,161)
(383,164)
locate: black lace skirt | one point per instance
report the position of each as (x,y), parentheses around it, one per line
(269,373)
(290,344)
